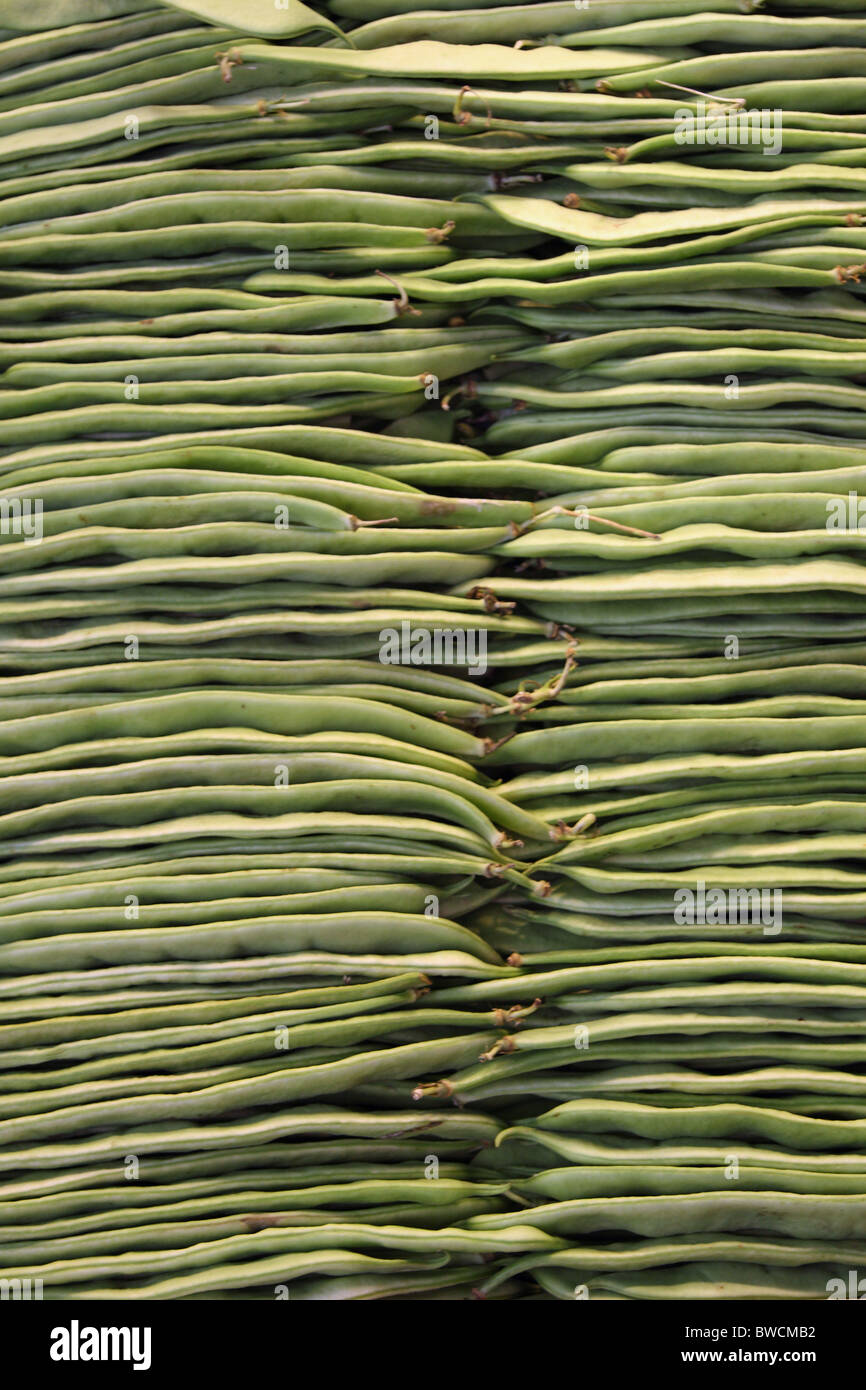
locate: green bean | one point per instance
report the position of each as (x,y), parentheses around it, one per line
(515,1074)
(715,72)
(323,483)
(654,1255)
(332,445)
(518,1239)
(270,1272)
(805,852)
(207,515)
(283,713)
(95,1081)
(716,1281)
(31,925)
(136,62)
(430,1284)
(335,485)
(299,1083)
(259,17)
(556,983)
(255,536)
(86,349)
(320,499)
(244,132)
(677,364)
(831,678)
(456,153)
(512,275)
(56,14)
(178,881)
(501,22)
(231,267)
(237,739)
(703,273)
(227,1015)
(709,768)
(225,1144)
(192,78)
(214,1058)
(733,1275)
(245,203)
(541,1039)
(48,149)
(266,1167)
(484,62)
(597,394)
(838,574)
(549,747)
(819,1216)
(360,896)
(722,458)
(248,970)
(700,424)
(553,1084)
(60,71)
(752,545)
(165,1223)
(745,182)
(693,801)
(310,906)
(377,797)
(817,815)
(752,31)
(620,342)
(764,510)
(205,1013)
(774,995)
(794,877)
(810,94)
(199,1231)
(266,391)
(577,226)
(247,139)
(370,932)
(28,49)
(217,524)
(173,1006)
(444,360)
(312,770)
(591,445)
(121,192)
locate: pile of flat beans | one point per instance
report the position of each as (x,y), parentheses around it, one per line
(533,975)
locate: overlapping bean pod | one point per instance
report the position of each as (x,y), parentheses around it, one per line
(432,648)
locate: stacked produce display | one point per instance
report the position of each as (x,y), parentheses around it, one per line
(432,649)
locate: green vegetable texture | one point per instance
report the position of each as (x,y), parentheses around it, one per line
(432,651)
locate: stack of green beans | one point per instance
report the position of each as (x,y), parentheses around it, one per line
(330,975)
